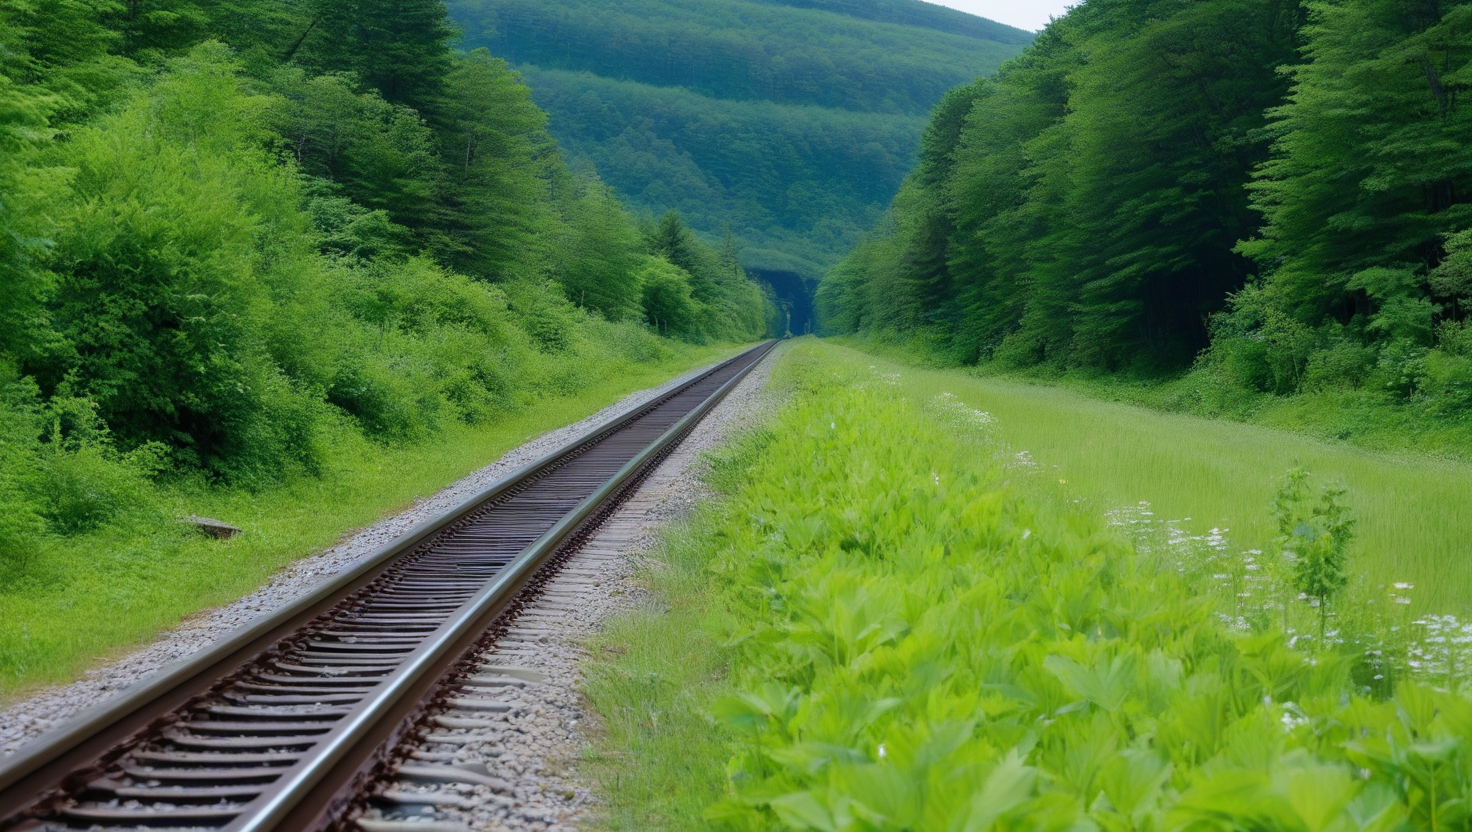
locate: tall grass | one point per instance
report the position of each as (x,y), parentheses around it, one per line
(1414,523)
(77,598)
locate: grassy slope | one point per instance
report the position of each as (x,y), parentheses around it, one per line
(1412,522)
(109,592)
(1355,416)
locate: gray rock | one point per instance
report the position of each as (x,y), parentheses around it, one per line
(217,529)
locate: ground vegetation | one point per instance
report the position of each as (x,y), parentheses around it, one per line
(887,622)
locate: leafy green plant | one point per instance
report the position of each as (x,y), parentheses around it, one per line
(1314,535)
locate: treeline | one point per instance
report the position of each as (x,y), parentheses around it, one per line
(916,13)
(731,49)
(232,230)
(1279,192)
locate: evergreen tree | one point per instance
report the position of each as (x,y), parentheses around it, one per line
(1371,166)
(489,136)
(398,47)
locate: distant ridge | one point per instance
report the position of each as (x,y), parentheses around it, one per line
(787,124)
(916,13)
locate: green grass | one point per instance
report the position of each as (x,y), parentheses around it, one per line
(656,674)
(84,598)
(1414,522)
(885,624)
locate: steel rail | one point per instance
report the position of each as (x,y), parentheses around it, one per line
(43,767)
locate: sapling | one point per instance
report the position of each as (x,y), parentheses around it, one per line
(1315,536)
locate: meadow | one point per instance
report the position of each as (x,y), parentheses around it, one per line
(1413,526)
(82,598)
(889,620)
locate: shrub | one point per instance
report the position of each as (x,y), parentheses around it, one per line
(1314,537)
(1345,363)
(161,303)
(669,306)
(21,523)
(543,314)
(60,473)
(1446,382)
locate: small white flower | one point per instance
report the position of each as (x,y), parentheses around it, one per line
(1026,533)
(882,752)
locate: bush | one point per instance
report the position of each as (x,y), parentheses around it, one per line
(1447,383)
(1345,363)
(669,306)
(21,522)
(543,314)
(60,473)
(161,303)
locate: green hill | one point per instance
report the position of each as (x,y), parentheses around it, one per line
(790,123)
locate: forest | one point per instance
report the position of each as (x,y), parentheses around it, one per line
(236,235)
(1273,197)
(789,124)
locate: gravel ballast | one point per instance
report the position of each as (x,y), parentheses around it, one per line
(505,755)
(33,716)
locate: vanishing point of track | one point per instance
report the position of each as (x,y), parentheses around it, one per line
(281,726)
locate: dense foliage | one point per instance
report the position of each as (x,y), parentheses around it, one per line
(230,231)
(825,174)
(789,123)
(920,635)
(1285,183)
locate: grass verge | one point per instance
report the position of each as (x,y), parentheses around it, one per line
(1217,474)
(87,597)
(888,623)
(1365,418)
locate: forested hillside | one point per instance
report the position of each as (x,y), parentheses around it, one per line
(235,235)
(1276,193)
(790,124)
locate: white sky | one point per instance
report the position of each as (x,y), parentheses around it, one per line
(1031,15)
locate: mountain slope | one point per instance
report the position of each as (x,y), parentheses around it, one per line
(789,123)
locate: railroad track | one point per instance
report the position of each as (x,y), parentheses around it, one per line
(282,726)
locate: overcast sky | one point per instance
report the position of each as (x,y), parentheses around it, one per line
(1024,14)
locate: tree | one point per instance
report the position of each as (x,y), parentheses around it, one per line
(1370,167)
(600,264)
(492,142)
(23,190)
(669,305)
(398,47)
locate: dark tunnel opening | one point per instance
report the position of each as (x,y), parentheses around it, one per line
(794,295)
